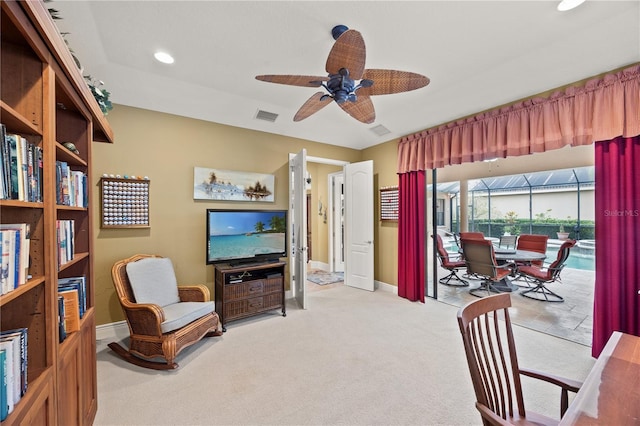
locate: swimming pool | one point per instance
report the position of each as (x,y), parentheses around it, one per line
(582,256)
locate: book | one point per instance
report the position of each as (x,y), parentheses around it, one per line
(12,143)
(4,162)
(79,284)
(24,246)
(4,406)
(71,310)
(62,331)
(19,335)
(8,347)
(5,237)
(9,267)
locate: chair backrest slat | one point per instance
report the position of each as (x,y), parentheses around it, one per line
(490,349)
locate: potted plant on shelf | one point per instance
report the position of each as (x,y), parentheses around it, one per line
(562,235)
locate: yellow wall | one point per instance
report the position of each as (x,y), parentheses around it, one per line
(166,148)
(385,233)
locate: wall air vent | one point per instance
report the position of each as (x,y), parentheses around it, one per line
(380,130)
(266,116)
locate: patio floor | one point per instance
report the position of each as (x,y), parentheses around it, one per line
(571,319)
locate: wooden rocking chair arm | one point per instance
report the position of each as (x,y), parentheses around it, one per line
(490,416)
(143,313)
(194,293)
(564,383)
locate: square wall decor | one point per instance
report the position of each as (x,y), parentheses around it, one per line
(228,185)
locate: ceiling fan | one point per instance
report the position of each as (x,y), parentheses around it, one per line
(349,84)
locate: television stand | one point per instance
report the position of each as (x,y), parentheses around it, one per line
(248,289)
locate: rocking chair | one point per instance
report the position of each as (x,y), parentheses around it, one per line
(163,318)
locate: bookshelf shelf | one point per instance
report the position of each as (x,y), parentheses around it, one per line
(15,120)
(44,103)
(18,292)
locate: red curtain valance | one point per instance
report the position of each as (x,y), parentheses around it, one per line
(604,108)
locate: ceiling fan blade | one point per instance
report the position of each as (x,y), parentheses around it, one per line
(314,104)
(362,109)
(391,81)
(294,80)
(348,52)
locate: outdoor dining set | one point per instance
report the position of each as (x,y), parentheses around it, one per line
(503,264)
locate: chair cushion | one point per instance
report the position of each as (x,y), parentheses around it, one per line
(177,315)
(153,281)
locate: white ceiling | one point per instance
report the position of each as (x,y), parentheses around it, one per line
(478,54)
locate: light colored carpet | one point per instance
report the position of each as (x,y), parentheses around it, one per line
(353,358)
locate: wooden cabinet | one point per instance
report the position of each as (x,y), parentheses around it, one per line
(244,291)
(44,99)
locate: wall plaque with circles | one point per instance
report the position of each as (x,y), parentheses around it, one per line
(124,203)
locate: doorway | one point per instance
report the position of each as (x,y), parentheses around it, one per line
(357,244)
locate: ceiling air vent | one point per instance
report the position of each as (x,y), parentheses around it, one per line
(266,116)
(380,130)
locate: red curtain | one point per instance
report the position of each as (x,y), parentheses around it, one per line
(411,223)
(617,203)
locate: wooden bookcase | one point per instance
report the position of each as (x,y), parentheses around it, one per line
(43,98)
(247,290)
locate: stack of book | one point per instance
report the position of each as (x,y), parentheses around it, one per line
(13,369)
(15,241)
(71,189)
(65,239)
(72,304)
(20,168)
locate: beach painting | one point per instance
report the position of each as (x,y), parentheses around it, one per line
(228,185)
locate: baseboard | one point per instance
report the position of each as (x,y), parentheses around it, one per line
(315,264)
(382,286)
(104,330)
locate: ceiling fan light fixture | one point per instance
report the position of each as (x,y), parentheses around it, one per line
(338,30)
(565,5)
(163,57)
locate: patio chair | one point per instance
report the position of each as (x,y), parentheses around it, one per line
(163,318)
(481,262)
(490,349)
(529,242)
(533,242)
(471,236)
(451,262)
(508,241)
(542,276)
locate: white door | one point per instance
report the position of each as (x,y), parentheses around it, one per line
(358,222)
(336,222)
(298,228)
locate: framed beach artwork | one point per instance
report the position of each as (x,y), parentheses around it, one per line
(228,185)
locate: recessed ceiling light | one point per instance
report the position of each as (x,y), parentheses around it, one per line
(164,57)
(565,5)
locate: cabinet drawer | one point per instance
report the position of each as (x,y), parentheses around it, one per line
(240,308)
(243,290)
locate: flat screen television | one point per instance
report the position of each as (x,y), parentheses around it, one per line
(246,236)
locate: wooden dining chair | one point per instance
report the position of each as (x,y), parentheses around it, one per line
(490,350)
(452,263)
